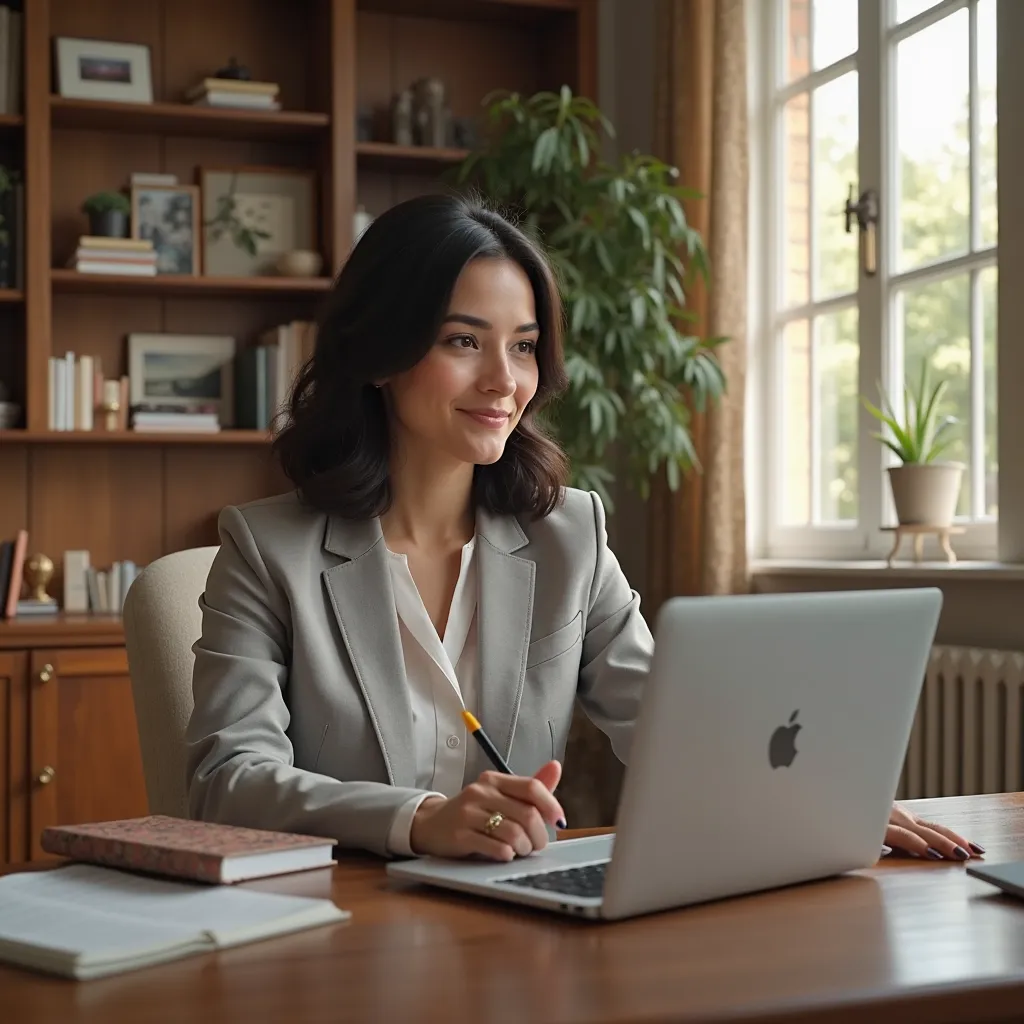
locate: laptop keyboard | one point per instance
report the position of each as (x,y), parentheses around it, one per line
(586,880)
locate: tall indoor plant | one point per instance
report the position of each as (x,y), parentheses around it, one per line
(924,488)
(621,246)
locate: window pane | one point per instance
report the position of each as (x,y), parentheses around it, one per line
(936,331)
(989,323)
(987,120)
(835,169)
(835,30)
(797,201)
(907,9)
(932,125)
(798,39)
(836,352)
(796,413)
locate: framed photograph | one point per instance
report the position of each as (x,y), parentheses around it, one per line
(168,216)
(91,69)
(251,215)
(190,372)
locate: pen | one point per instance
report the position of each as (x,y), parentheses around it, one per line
(490,749)
(485,741)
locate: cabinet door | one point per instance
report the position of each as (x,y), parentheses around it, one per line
(13,756)
(84,759)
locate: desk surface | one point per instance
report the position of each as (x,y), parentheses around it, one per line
(907,941)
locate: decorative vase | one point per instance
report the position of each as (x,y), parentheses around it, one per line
(926,494)
(299,263)
(108,224)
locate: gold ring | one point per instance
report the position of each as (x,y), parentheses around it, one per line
(493,822)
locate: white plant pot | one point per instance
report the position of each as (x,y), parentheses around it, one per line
(926,494)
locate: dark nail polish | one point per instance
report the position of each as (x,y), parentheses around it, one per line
(960,853)
(976,848)
(934,854)
(561,823)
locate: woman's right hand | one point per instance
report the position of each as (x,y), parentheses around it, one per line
(457,827)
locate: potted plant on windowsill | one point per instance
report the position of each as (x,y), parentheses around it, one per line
(108,214)
(924,489)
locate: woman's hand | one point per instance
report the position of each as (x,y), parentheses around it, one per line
(911,834)
(458,827)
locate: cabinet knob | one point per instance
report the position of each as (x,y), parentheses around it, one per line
(46,776)
(46,673)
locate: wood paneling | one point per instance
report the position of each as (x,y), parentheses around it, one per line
(13,755)
(231,476)
(13,490)
(105,499)
(83,738)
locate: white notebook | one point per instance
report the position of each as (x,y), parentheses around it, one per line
(83,921)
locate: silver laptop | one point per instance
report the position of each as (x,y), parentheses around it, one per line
(767,751)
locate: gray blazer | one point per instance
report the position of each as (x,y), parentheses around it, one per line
(302,719)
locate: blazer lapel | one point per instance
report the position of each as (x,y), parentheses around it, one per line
(504,616)
(364,605)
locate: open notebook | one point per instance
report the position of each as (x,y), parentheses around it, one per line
(84,922)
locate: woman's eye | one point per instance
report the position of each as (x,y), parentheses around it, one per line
(462,341)
(526,347)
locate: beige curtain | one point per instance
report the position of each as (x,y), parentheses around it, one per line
(698,535)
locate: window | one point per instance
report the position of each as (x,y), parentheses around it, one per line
(894,100)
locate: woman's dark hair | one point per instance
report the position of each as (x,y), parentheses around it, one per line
(381,318)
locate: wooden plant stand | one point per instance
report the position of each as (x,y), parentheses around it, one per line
(918,531)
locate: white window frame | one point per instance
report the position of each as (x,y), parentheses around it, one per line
(875,62)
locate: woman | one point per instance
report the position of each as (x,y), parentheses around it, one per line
(430,559)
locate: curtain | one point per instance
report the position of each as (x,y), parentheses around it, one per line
(697,535)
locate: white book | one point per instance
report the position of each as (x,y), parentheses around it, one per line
(85,386)
(104,593)
(60,369)
(127,269)
(51,387)
(84,922)
(69,391)
(76,591)
(114,588)
(239,100)
(148,178)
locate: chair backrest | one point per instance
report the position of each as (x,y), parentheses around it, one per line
(162,621)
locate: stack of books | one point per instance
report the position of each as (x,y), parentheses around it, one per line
(95,255)
(265,373)
(234,92)
(156,419)
(77,390)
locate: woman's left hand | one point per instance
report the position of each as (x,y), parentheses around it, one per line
(913,835)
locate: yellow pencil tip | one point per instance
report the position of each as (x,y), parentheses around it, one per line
(470,719)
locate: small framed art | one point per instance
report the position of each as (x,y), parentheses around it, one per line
(92,69)
(168,216)
(190,372)
(252,215)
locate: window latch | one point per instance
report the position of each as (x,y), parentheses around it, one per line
(865,210)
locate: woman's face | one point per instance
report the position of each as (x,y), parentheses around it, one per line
(466,395)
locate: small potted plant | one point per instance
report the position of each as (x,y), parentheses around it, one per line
(108,214)
(924,490)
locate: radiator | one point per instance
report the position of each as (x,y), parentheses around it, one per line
(968,728)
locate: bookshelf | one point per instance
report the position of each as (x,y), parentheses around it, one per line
(332,59)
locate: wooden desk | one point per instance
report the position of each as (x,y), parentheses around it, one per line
(907,941)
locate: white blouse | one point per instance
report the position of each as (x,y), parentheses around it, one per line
(442,679)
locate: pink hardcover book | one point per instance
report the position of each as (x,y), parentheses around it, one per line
(197,850)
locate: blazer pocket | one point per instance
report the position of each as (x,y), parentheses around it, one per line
(551,646)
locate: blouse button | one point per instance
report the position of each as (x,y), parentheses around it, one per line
(453,742)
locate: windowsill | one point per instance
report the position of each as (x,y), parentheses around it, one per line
(964,571)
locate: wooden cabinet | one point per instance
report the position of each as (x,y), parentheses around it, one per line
(83,751)
(69,747)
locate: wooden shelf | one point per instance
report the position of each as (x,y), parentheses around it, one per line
(11,295)
(11,121)
(65,280)
(61,630)
(387,154)
(183,119)
(222,437)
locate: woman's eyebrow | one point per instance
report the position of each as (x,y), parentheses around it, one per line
(475,321)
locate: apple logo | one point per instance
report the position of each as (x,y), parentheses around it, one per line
(782,747)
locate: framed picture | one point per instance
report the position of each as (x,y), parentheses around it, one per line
(251,215)
(91,69)
(190,372)
(168,216)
